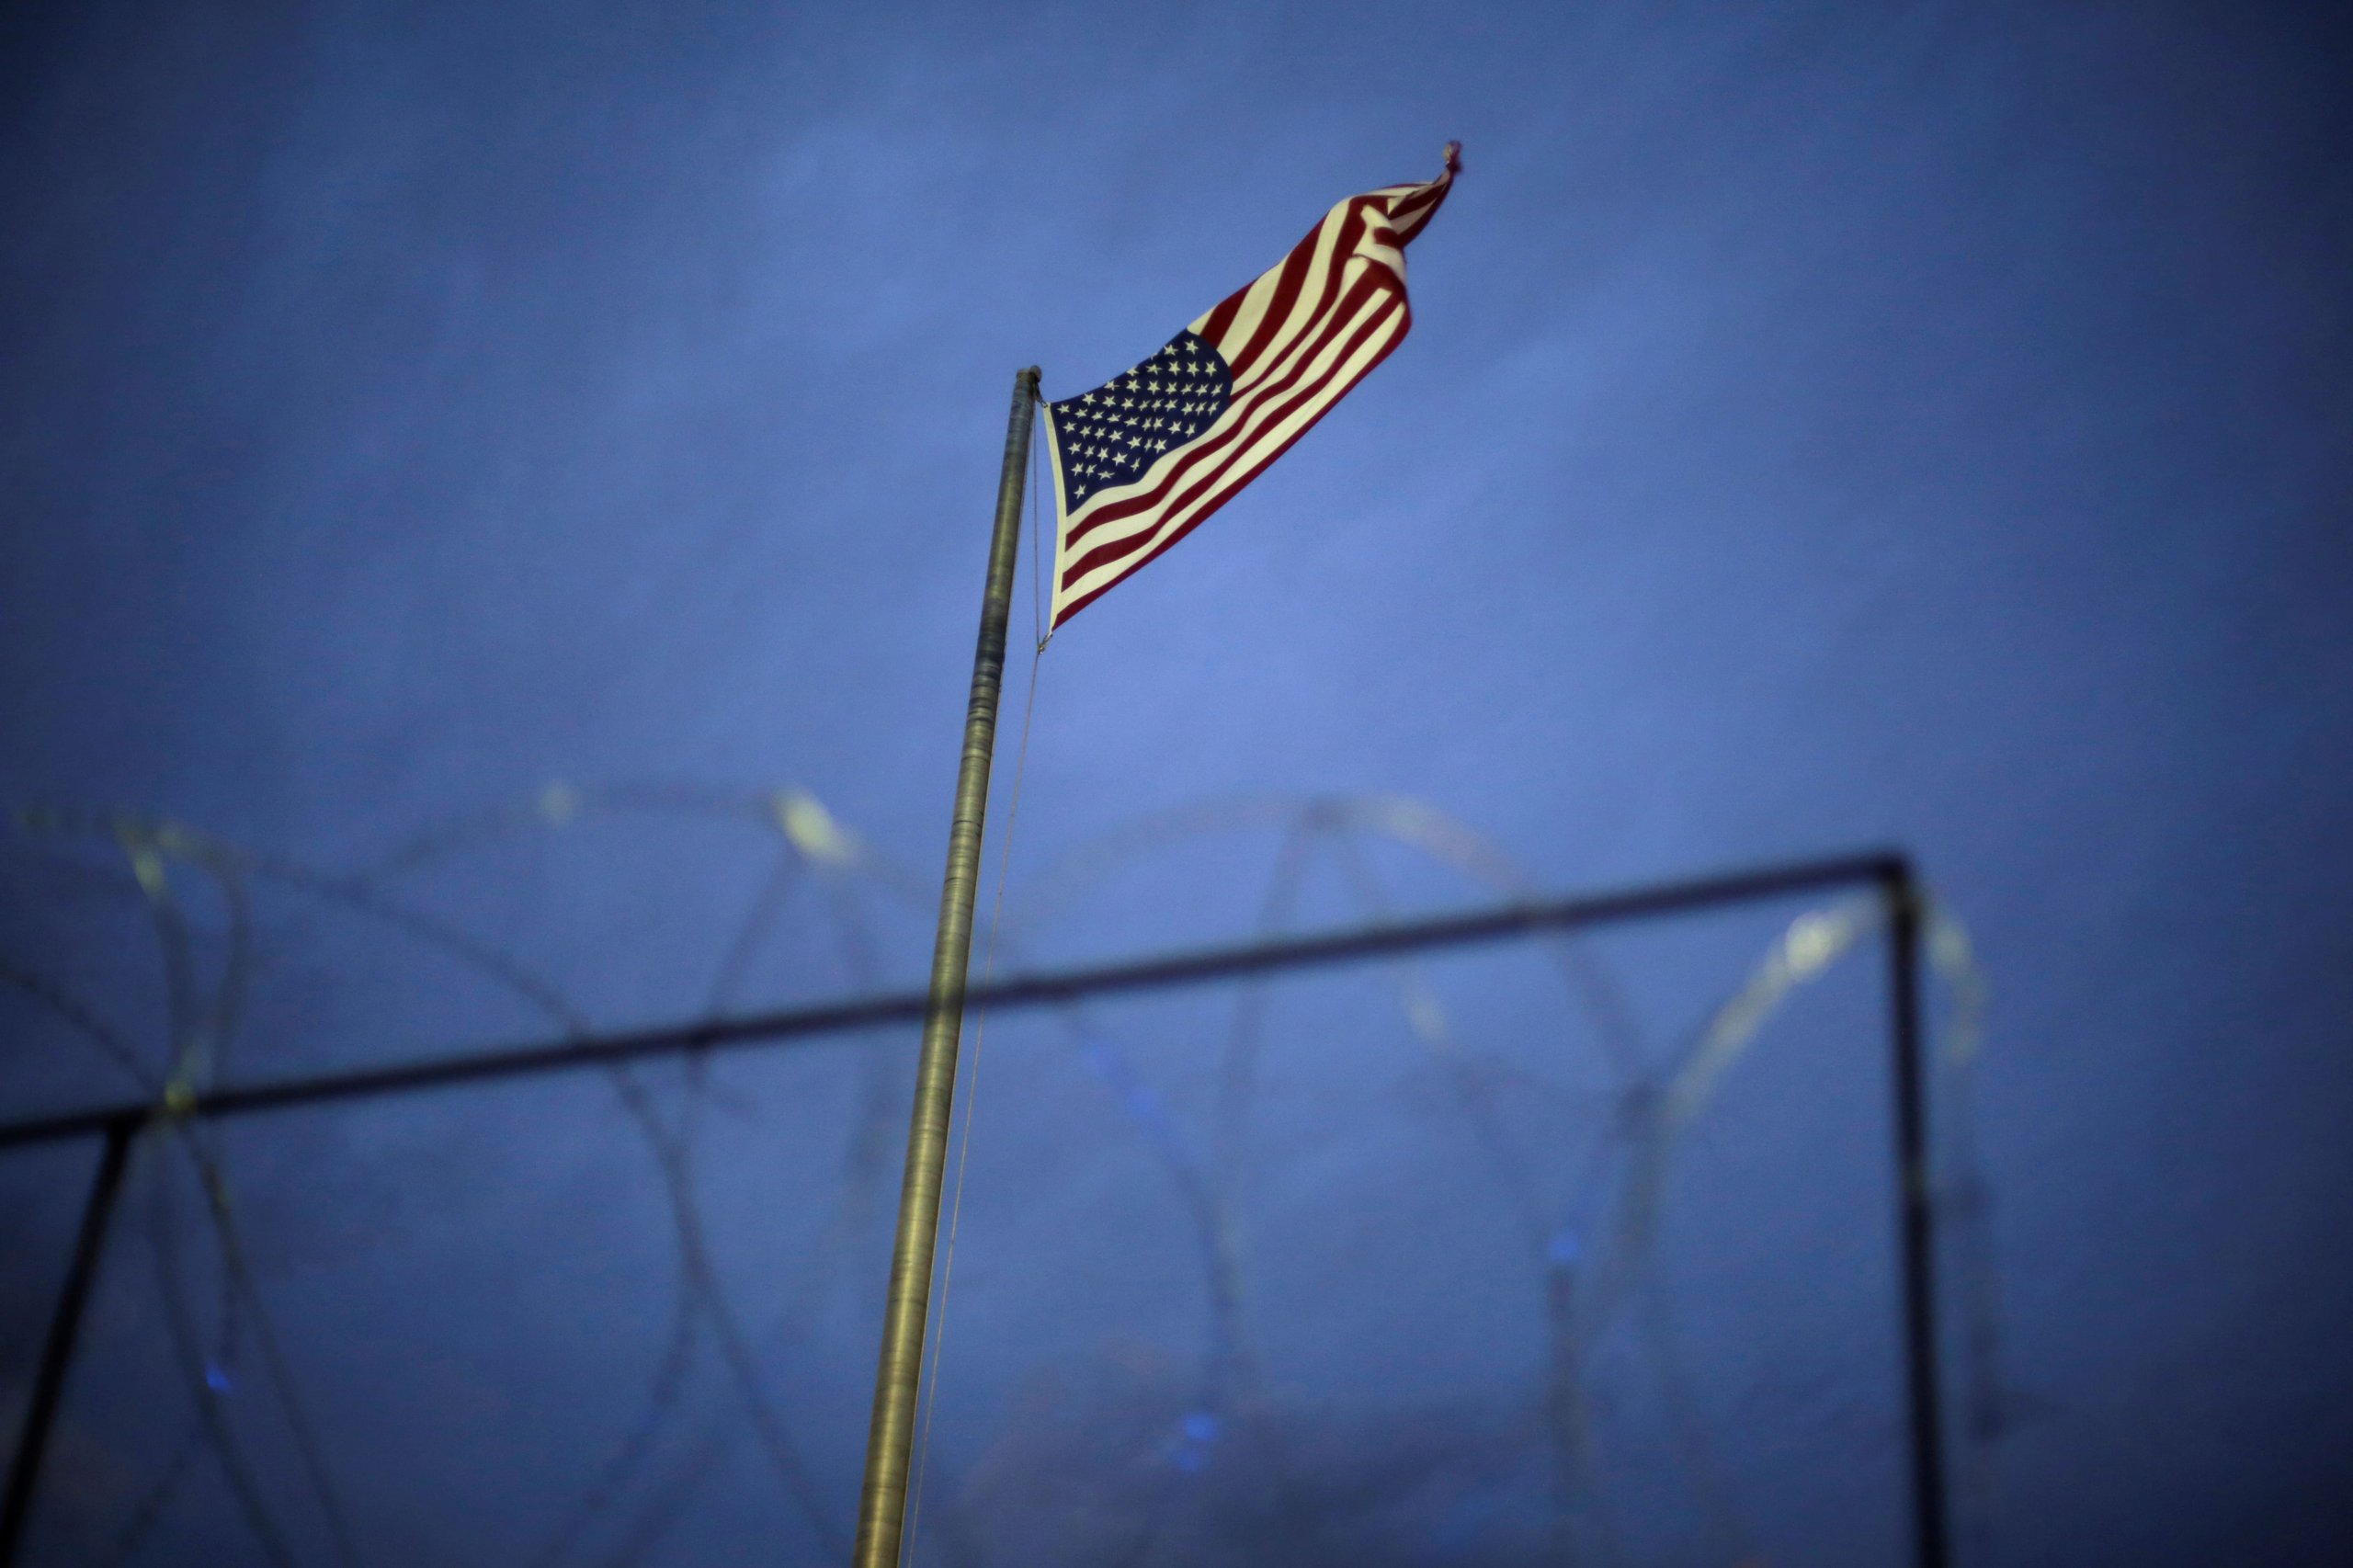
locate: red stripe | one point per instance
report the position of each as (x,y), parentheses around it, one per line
(1251,418)
(1355,232)
(1313,334)
(1321,328)
(1318,390)
(1279,310)
(1268,414)
(1219,320)
(1290,278)
(1415,212)
(1283,343)
(1214,326)
(1429,195)
(1171,536)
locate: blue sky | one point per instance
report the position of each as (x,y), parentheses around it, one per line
(1823,426)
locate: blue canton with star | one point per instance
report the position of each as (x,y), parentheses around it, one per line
(1112,435)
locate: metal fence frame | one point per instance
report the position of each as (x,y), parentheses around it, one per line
(1890,874)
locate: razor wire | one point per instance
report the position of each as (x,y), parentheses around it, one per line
(1588,1252)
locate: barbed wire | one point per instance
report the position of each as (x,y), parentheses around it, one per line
(1590,1249)
(204,1030)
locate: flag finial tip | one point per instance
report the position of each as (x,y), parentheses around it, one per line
(1454,157)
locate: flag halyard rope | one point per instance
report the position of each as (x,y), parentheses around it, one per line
(973,1071)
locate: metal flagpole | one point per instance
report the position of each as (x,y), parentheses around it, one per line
(881,1504)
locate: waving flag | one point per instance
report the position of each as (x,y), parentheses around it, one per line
(1142,458)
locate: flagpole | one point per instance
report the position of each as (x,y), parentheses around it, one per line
(889,1435)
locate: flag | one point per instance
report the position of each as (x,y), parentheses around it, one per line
(1142,460)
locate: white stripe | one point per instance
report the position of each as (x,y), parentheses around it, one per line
(1243,413)
(1256,434)
(1254,305)
(1285,350)
(1061,461)
(1306,308)
(1272,365)
(1255,444)
(1236,411)
(1389,252)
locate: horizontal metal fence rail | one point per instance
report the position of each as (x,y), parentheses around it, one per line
(580,1052)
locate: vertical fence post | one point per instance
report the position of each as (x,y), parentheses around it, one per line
(1916,1208)
(64,1327)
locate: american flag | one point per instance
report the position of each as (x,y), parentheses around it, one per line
(1142,458)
